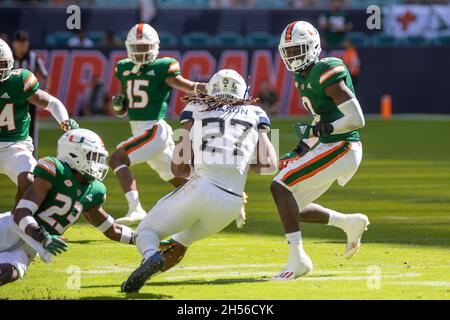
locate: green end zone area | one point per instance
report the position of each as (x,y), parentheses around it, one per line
(403,185)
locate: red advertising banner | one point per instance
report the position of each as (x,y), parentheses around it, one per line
(72,70)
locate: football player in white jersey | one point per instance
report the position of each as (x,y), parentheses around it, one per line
(225,136)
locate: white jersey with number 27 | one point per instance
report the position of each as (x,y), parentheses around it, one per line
(224,141)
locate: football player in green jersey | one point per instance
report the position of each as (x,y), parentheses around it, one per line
(18,89)
(64,187)
(146,82)
(327,93)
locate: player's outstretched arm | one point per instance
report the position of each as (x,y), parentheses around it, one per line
(23,217)
(348,104)
(267,161)
(186,85)
(105,223)
(44,100)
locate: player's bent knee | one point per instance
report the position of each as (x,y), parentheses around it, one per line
(8,273)
(173,255)
(277,189)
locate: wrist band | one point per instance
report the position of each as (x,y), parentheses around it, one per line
(25,222)
(195,87)
(106,224)
(126,235)
(27,204)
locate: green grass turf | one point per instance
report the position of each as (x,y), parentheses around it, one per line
(403,185)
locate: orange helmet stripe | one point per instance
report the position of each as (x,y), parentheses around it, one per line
(288,36)
(139,31)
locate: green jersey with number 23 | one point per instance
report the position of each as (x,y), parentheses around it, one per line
(67,199)
(314,98)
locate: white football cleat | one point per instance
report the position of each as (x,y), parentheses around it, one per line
(356,225)
(293,270)
(134,216)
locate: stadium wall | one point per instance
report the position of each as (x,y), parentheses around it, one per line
(410,75)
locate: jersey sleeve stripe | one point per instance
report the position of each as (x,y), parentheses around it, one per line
(331,72)
(46,168)
(50,163)
(174,67)
(29,82)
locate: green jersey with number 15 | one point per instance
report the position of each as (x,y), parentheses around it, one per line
(14,107)
(147,91)
(67,199)
(314,98)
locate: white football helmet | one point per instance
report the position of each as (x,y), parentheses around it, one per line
(299,45)
(6,60)
(83,150)
(142,44)
(227,83)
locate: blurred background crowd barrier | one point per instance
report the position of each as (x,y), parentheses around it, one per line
(407,60)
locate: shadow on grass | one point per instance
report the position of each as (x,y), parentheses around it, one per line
(131,296)
(206,282)
(407,232)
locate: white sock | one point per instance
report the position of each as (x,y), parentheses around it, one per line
(147,242)
(133,199)
(295,242)
(337,219)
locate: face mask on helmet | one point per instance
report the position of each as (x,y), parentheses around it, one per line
(5,69)
(84,152)
(142,53)
(296,57)
(96,165)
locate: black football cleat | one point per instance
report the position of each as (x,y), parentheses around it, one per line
(139,276)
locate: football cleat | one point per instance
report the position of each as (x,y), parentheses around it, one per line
(138,277)
(357,224)
(293,270)
(134,216)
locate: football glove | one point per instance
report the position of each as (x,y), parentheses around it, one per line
(321,129)
(286,158)
(69,125)
(117,103)
(54,244)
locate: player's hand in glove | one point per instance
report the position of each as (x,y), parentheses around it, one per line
(54,244)
(321,129)
(69,125)
(240,219)
(286,158)
(118,103)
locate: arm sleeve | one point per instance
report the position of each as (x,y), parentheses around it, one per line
(57,109)
(353,117)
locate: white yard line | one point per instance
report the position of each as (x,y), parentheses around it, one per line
(422,283)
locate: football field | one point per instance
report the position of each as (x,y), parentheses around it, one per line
(403,185)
